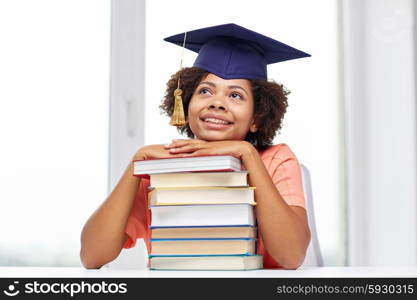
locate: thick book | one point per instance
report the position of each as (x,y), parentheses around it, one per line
(230,246)
(201,195)
(192,179)
(202,215)
(218,263)
(204,232)
(143,168)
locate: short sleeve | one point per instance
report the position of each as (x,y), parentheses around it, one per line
(284,169)
(139,219)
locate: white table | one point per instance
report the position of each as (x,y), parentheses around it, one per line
(19,272)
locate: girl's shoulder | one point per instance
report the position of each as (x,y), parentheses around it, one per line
(278,151)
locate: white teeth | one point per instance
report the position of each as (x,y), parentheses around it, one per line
(217,121)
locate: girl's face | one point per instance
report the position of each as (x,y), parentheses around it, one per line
(221,109)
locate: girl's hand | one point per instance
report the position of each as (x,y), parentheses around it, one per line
(196,147)
(153,151)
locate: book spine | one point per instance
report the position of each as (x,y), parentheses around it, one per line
(201,239)
(200,255)
(203,226)
(214,225)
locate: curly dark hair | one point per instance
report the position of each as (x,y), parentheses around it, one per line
(270,104)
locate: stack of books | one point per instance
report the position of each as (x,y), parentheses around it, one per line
(202,214)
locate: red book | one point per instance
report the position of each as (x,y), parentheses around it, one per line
(204,163)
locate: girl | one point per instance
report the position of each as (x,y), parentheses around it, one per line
(230,108)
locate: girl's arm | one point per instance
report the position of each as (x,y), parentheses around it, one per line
(284,228)
(104,234)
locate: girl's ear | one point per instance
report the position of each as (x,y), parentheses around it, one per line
(253,127)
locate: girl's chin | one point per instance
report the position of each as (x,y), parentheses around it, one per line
(212,136)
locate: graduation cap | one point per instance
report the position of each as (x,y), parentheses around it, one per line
(231,51)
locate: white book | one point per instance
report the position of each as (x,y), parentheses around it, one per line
(201,195)
(186,164)
(203,215)
(250,262)
(191,179)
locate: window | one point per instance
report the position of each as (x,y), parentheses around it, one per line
(54,126)
(312,125)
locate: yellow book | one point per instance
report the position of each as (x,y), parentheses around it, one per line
(204,232)
(231,246)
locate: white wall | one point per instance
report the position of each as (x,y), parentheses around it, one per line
(380,51)
(312,124)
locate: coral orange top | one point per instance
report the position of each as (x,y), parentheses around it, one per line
(282,166)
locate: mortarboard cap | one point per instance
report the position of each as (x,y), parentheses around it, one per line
(233,52)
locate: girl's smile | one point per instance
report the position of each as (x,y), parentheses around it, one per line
(215,121)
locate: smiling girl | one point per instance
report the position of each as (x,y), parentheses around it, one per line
(230,109)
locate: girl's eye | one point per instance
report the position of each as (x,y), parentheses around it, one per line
(204,91)
(236,95)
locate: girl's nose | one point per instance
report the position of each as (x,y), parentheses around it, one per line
(217,106)
(217,103)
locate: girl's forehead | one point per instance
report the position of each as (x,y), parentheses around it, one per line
(212,78)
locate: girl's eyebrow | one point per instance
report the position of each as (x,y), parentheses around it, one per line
(230,86)
(237,87)
(208,83)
